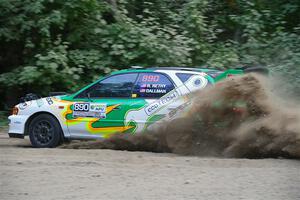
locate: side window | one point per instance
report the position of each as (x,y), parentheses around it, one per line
(114,86)
(152,85)
(183,76)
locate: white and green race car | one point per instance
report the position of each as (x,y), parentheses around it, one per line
(127,101)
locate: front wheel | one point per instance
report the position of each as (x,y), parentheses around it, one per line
(45,131)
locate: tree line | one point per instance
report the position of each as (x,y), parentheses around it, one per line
(54,45)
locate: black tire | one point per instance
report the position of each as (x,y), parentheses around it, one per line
(45,132)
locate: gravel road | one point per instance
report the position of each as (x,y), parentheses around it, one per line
(27,173)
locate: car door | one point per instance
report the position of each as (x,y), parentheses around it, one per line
(161,95)
(100,110)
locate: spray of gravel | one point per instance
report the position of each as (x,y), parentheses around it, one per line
(239,117)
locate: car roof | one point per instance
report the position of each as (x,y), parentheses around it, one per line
(151,69)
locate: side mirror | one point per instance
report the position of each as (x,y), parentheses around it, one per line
(89,96)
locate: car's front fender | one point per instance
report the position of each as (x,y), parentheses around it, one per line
(28,110)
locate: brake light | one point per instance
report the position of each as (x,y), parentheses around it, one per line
(15,111)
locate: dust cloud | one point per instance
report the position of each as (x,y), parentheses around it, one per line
(239,117)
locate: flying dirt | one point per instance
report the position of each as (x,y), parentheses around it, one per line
(239,117)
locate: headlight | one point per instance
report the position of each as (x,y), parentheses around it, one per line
(15,110)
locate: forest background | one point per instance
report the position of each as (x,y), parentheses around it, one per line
(54,45)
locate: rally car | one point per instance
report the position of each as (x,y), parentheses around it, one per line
(126,101)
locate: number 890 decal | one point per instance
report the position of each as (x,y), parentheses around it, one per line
(95,110)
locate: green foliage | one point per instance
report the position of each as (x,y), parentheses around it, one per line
(52,45)
(3,120)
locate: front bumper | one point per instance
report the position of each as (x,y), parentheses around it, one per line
(16,135)
(17,125)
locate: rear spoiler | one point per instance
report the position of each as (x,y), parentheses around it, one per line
(218,76)
(260,70)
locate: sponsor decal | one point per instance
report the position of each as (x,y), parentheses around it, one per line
(200,82)
(49,100)
(153,91)
(153,107)
(24,105)
(174,111)
(94,110)
(153,85)
(153,88)
(39,102)
(196,82)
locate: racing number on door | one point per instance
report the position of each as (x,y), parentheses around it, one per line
(81,107)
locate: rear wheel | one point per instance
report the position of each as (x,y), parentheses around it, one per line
(45,131)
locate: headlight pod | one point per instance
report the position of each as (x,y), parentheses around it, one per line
(15,110)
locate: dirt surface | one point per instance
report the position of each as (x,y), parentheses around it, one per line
(27,173)
(223,121)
